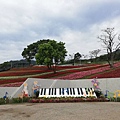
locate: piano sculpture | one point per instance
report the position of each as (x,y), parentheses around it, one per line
(67,92)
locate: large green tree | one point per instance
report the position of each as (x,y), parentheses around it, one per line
(51,53)
(30,51)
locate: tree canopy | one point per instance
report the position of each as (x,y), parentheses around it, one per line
(31,50)
(51,53)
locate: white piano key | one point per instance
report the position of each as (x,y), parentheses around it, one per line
(57,92)
(47,92)
(84,92)
(76,92)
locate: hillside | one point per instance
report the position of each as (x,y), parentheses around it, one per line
(16,76)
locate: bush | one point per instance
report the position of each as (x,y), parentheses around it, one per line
(98,93)
(2,101)
(17,100)
(118,99)
(20,100)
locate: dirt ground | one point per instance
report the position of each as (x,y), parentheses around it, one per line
(61,111)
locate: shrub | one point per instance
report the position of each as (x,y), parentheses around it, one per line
(2,101)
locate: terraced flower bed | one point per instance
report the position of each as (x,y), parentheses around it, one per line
(87,72)
(9,82)
(82,74)
(22,72)
(14,76)
(68,71)
(16,84)
(115,73)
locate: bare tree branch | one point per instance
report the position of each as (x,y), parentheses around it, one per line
(108,39)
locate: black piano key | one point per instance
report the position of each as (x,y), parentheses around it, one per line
(67,91)
(81,91)
(73,91)
(60,91)
(55,91)
(49,91)
(92,90)
(63,91)
(41,91)
(70,91)
(44,91)
(52,91)
(89,89)
(78,91)
(86,91)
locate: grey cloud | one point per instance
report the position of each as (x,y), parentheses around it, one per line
(77,23)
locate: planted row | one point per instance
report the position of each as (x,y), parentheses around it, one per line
(7,81)
(88,72)
(110,74)
(31,72)
(20,73)
(16,84)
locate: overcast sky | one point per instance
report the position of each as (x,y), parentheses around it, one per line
(77,23)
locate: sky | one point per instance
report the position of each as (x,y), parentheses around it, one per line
(77,23)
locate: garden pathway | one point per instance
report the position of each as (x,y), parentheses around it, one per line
(61,111)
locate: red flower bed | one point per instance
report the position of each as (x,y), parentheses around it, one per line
(29,68)
(56,74)
(29,71)
(78,72)
(82,74)
(6,81)
(87,72)
(59,73)
(21,73)
(16,84)
(110,74)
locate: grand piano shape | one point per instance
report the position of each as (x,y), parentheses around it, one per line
(67,92)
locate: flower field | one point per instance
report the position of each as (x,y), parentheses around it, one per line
(115,73)
(16,76)
(88,72)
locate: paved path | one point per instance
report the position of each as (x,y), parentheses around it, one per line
(61,111)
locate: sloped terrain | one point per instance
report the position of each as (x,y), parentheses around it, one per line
(16,76)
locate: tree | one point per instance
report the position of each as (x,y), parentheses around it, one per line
(110,44)
(51,53)
(71,58)
(31,50)
(77,57)
(28,54)
(94,53)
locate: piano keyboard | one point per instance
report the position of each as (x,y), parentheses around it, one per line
(66,92)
